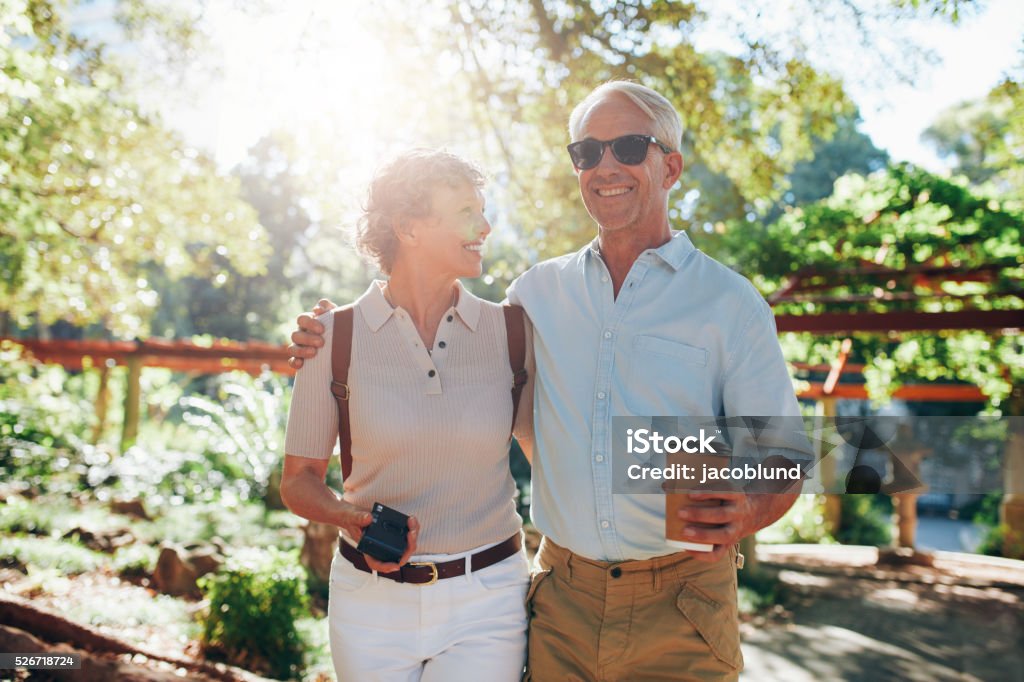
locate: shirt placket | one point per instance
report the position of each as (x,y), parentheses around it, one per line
(426,364)
(600,454)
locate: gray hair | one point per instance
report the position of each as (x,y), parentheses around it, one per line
(403,188)
(668,126)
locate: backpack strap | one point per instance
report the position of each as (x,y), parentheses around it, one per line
(341,357)
(515,330)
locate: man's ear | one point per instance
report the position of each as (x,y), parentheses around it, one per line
(673,169)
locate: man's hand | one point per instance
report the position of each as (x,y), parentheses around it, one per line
(308,338)
(738,515)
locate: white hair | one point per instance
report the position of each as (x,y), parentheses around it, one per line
(668,126)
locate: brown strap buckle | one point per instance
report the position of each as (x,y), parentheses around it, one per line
(340,390)
(433,570)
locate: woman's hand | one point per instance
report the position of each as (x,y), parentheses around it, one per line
(380,566)
(352,519)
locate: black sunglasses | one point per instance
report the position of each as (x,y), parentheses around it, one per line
(630,150)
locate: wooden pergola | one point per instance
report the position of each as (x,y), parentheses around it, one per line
(893,307)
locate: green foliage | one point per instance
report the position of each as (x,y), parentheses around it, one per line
(864,520)
(904,219)
(44,418)
(40,403)
(244,426)
(240,524)
(1001,540)
(804,523)
(983,509)
(53,514)
(255,601)
(92,190)
(757,590)
(135,560)
(43,553)
(983,138)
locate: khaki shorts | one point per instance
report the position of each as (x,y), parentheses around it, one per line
(667,618)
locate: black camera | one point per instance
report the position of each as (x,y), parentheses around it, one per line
(385,538)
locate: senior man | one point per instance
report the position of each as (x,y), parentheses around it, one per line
(637,322)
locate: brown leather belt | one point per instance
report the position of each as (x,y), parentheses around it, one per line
(428,572)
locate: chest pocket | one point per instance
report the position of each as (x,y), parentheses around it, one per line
(667,378)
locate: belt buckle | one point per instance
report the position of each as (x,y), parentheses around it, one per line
(433,570)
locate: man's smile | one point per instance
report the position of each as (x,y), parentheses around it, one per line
(612,191)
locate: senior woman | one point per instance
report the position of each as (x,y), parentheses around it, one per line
(430,412)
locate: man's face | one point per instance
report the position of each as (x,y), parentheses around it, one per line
(618,196)
(451,239)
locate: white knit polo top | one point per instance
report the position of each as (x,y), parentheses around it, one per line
(430,430)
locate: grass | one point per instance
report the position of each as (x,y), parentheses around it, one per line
(54,515)
(65,556)
(243,525)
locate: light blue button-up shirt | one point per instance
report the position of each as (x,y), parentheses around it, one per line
(686,336)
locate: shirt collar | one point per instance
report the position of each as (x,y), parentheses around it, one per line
(673,252)
(376,309)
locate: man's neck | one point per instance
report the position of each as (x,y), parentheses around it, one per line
(620,249)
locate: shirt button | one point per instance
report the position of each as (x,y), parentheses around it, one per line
(431,374)
(604,278)
(450,318)
(600,396)
(441,344)
(616,572)
(600,458)
(607,335)
(605,524)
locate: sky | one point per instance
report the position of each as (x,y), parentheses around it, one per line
(975,56)
(972,57)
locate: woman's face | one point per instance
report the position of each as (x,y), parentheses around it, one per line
(452,238)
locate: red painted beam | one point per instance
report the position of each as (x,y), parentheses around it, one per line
(849,323)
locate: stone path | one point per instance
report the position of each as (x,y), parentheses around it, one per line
(961,620)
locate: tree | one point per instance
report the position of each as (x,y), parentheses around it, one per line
(92,191)
(984,139)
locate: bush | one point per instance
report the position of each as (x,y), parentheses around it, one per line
(244,424)
(255,601)
(1000,541)
(983,509)
(865,521)
(803,523)
(757,590)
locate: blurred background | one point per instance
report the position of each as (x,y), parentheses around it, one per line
(178,180)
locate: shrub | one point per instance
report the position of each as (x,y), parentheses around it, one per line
(136,560)
(255,601)
(803,523)
(1001,541)
(244,426)
(864,520)
(757,590)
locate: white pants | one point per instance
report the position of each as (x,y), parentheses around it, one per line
(470,627)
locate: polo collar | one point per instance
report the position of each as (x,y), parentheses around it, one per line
(376,309)
(672,253)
